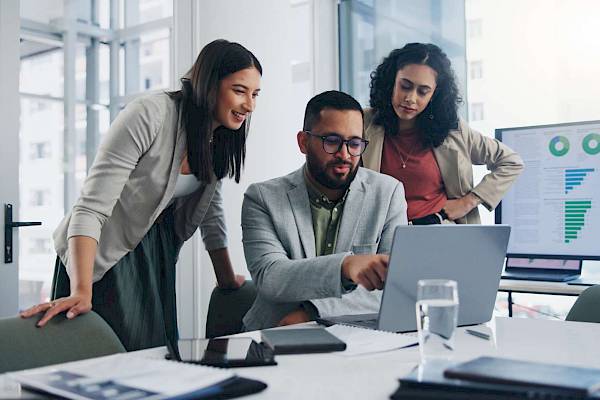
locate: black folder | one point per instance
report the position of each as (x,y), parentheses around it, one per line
(430,383)
(576,380)
(233,387)
(299,341)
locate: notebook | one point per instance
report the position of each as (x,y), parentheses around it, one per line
(367,341)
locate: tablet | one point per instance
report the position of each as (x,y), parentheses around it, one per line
(224,353)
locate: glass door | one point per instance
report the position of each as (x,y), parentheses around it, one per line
(9,157)
(77,65)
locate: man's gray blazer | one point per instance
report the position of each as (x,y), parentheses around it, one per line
(279,245)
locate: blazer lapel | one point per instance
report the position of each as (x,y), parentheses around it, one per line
(447,159)
(177,157)
(298,198)
(351,218)
(375,134)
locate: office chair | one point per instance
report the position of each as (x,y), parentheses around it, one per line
(23,345)
(226,309)
(586,307)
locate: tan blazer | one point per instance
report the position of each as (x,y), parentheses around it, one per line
(133,180)
(463,148)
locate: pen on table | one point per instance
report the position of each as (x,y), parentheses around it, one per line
(478,334)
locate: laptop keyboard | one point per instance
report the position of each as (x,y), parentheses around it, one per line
(367,323)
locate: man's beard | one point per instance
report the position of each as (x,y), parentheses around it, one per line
(320,174)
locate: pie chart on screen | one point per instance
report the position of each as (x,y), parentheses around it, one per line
(559,146)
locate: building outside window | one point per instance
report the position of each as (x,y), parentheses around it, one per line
(40,198)
(79,67)
(476,112)
(41,246)
(474,28)
(39,150)
(476,69)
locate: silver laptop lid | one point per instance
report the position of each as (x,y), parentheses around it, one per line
(472,255)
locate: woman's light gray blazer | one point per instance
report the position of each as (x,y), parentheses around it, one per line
(132,180)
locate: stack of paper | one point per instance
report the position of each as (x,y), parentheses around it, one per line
(365,341)
(121,376)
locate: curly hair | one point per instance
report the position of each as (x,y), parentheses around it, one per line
(440,115)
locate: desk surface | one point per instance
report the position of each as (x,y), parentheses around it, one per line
(374,376)
(540,287)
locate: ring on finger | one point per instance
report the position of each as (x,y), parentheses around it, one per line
(52,304)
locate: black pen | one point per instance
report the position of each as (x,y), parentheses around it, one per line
(478,334)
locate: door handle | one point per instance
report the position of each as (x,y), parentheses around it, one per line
(9,224)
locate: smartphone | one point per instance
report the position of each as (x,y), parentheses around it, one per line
(224,353)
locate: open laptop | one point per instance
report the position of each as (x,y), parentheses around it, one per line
(472,255)
(539,269)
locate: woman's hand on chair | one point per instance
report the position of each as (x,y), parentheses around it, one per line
(75,304)
(236,283)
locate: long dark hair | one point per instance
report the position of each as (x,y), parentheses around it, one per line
(440,115)
(224,150)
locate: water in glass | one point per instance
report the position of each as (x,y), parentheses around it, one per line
(437,313)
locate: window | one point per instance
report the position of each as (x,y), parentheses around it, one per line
(527,71)
(40,246)
(68,97)
(474,28)
(370,30)
(40,150)
(476,69)
(476,112)
(40,197)
(37,106)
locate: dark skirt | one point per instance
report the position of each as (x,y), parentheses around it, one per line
(136,297)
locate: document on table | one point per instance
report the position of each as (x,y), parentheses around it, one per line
(366,341)
(121,376)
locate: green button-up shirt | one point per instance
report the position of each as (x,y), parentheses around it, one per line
(326,217)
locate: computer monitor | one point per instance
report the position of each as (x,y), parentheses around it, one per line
(554,206)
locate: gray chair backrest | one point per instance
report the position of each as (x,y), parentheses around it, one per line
(23,345)
(226,309)
(587,306)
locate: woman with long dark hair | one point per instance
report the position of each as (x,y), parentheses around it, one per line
(415,135)
(156,178)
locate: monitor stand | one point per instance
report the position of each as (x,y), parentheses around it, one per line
(542,269)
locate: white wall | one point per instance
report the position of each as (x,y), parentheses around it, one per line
(296,43)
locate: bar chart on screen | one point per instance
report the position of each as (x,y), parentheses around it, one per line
(553,206)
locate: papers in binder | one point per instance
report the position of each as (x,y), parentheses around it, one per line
(366,341)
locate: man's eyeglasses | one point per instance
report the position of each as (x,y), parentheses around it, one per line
(332,143)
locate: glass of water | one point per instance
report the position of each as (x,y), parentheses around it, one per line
(437,315)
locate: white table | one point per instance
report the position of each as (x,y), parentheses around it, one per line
(374,376)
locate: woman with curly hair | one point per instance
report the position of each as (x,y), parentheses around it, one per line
(415,136)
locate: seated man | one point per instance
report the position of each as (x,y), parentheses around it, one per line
(316,241)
